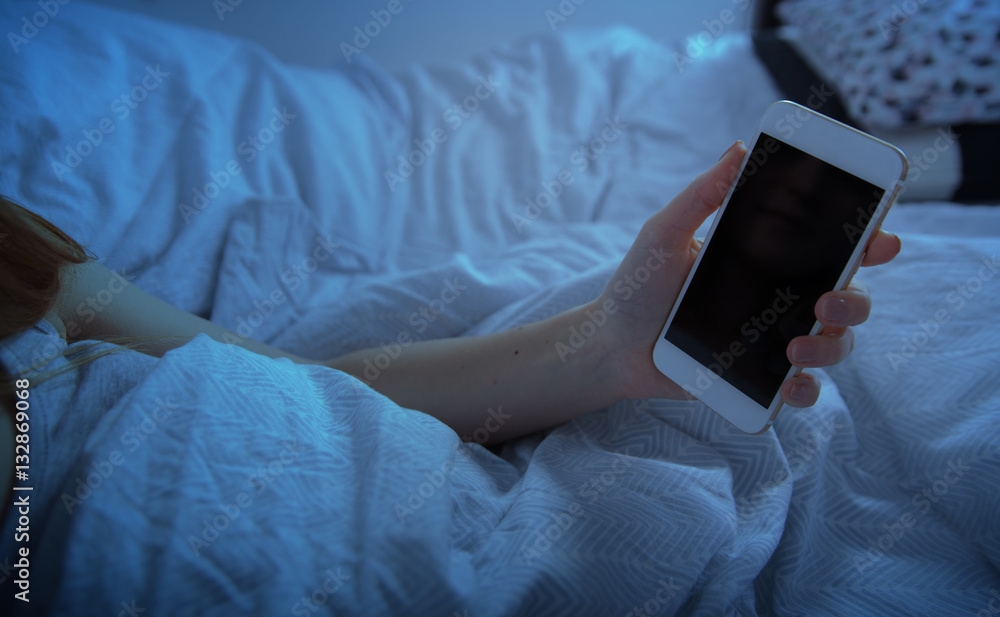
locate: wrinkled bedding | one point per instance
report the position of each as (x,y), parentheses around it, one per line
(264,487)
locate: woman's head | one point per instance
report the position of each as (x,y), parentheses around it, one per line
(33,251)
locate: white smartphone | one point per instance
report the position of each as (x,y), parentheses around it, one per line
(810,194)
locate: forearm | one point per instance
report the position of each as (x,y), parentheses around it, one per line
(495,387)
(96,303)
(487,388)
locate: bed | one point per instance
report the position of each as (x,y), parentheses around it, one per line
(324,211)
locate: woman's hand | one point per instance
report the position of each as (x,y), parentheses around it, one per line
(651,275)
(503,385)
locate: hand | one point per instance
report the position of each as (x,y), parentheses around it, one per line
(653,271)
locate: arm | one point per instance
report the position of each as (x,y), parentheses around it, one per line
(518,381)
(516,373)
(499,386)
(538,384)
(97,303)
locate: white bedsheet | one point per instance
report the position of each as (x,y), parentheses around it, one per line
(650,506)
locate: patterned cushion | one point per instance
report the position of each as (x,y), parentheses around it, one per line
(900,63)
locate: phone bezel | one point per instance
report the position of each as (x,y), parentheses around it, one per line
(858,153)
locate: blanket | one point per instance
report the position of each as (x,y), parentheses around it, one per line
(326,211)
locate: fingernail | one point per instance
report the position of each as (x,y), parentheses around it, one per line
(738,142)
(835,310)
(805,352)
(798,392)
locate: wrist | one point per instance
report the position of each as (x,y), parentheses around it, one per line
(584,350)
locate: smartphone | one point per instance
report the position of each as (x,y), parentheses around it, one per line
(810,194)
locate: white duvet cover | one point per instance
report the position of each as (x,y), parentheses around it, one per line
(327,211)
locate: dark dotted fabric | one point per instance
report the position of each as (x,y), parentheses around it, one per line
(901,63)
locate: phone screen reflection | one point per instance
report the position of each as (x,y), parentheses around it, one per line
(786,235)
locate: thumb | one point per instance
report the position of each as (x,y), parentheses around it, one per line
(676,223)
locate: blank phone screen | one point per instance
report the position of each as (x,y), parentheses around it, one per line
(784,239)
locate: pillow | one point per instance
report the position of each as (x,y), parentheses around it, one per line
(904,63)
(951,155)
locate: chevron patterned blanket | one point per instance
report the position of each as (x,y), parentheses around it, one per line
(449,202)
